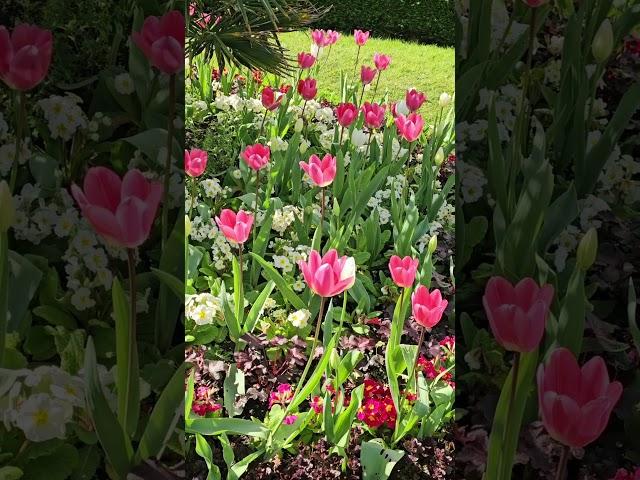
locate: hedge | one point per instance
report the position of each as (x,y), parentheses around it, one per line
(425,21)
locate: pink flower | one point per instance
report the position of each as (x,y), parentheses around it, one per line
(290,419)
(308,88)
(367,74)
(427,307)
(256,156)
(331,37)
(317,404)
(360,37)
(162,41)
(517,315)
(409,127)
(195,162)
(575,403)
(306,60)
(403,270)
(381,61)
(318,37)
(269,99)
(235,226)
(121,211)
(322,172)
(414,99)
(328,276)
(25,56)
(373,114)
(282,395)
(346,114)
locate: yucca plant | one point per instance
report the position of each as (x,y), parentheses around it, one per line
(244,32)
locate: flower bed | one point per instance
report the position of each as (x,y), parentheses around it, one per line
(320,255)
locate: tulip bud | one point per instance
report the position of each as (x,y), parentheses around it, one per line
(433,243)
(299,125)
(602,45)
(7,208)
(439,158)
(444,100)
(587,249)
(334,360)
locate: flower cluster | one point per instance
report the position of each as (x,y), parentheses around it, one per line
(377,405)
(202,402)
(282,395)
(623,474)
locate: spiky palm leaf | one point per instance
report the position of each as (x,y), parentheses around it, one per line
(244,32)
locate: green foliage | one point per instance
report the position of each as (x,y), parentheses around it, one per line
(426,21)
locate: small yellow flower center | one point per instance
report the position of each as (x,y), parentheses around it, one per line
(41,417)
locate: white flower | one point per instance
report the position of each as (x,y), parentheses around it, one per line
(82,300)
(401,107)
(42,418)
(299,318)
(304,145)
(68,388)
(444,100)
(299,125)
(299,285)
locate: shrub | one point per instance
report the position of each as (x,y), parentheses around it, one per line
(425,21)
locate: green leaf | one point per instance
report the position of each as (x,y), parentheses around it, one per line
(127,382)
(204,450)
(164,416)
(10,473)
(24,277)
(56,316)
(347,364)
(230,317)
(175,284)
(57,464)
(377,461)
(238,291)
(572,313)
(233,385)
(252,317)
(230,426)
(238,469)
(114,441)
(271,274)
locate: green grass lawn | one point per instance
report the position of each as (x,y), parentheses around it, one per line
(428,68)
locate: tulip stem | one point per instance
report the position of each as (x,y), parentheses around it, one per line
(20,120)
(194,195)
(355,66)
(341,134)
(561,473)
(263,120)
(303,377)
(255,207)
(302,114)
(322,202)
(4,291)
(361,95)
(167,163)
(369,142)
(240,261)
(131,263)
(512,398)
(375,89)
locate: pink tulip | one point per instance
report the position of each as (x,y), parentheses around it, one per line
(195,162)
(318,37)
(373,114)
(270,100)
(360,37)
(306,60)
(535,3)
(403,270)
(308,88)
(25,56)
(347,113)
(121,211)
(236,227)
(427,307)
(367,74)
(414,99)
(517,315)
(256,156)
(162,41)
(409,127)
(575,403)
(328,276)
(381,61)
(331,37)
(322,172)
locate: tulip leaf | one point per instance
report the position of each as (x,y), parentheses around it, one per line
(271,274)
(230,426)
(256,308)
(204,450)
(229,316)
(175,284)
(114,441)
(164,416)
(631,310)
(238,292)
(127,381)
(377,461)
